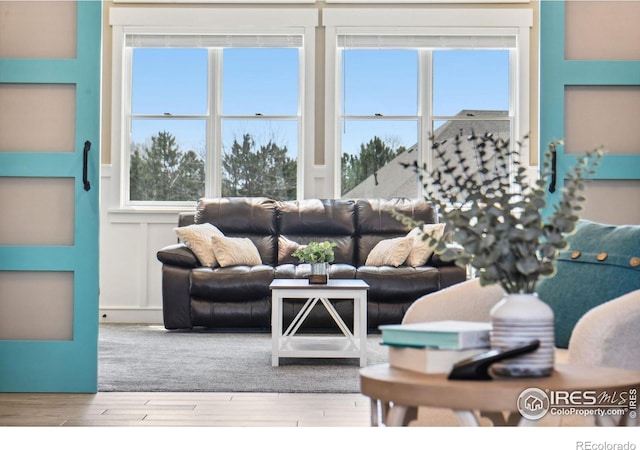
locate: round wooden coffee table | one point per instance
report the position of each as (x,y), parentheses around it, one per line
(396,395)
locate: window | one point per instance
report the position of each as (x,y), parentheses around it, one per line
(395,86)
(386,94)
(206,112)
(174,101)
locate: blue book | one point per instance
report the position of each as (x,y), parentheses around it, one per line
(445,334)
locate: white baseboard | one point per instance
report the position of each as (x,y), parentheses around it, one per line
(126,315)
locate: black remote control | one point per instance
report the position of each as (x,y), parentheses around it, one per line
(477,367)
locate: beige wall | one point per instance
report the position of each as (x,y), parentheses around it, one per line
(319,112)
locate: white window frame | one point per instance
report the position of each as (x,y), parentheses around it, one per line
(470,22)
(204,21)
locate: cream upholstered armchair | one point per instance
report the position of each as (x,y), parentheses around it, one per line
(606,335)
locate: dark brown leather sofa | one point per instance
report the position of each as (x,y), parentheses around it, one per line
(238,297)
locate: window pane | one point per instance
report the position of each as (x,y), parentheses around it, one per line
(467,81)
(380,82)
(260,81)
(372,151)
(259,158)
(169,81)
(167,160)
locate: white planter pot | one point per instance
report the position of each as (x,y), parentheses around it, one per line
(518,319)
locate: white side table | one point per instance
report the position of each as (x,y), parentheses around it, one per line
(286,344)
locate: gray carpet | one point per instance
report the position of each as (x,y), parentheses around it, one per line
(148,358)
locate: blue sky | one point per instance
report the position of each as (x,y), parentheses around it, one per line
(256,81)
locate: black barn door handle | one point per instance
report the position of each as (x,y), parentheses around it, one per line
(85,162)
(554,162)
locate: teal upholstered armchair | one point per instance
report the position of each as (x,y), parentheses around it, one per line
(595,296)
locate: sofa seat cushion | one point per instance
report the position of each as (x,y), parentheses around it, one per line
(336,271)
(399,284)
(601,263)
(231,284)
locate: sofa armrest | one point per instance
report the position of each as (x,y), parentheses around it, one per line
(607,335)
(178,255)
(463,301)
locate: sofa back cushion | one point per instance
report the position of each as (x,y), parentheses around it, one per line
(376,220)
(333,220)
(601,263)
(251,217)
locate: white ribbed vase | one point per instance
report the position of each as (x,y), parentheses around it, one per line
(518,319)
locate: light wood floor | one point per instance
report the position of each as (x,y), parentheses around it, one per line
(168,420)
(167,409)
(184,409)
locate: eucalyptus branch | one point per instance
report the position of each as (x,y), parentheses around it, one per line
(495,214)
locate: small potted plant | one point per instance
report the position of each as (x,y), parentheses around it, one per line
(319,255)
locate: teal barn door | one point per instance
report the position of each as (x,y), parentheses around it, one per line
(590,97)
(50,58)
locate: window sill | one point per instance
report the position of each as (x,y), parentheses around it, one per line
(141,214)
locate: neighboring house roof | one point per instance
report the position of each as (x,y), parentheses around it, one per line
(393,180)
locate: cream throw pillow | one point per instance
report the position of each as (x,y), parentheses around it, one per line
(390,252)
(421,249)
(285,248)
(235,251)
(198,239)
